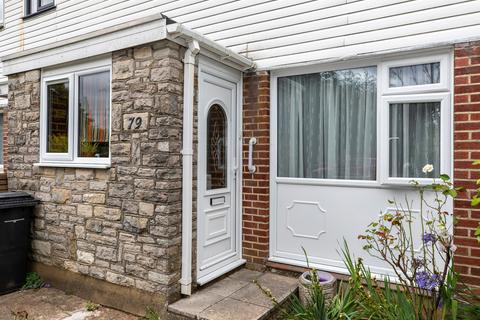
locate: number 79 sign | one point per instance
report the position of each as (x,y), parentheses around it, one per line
(135,121)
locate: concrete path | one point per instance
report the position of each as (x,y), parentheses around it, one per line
(52,304)
(236,297)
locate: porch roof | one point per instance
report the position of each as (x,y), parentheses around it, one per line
(129,34)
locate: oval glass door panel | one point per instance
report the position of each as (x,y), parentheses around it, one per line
(216,148)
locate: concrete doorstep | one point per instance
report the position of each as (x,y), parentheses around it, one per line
(236,297)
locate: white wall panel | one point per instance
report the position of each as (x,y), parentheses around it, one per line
(273,32)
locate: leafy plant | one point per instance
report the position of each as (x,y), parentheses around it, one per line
(58,143)
(88,149)
(476,200)
(426,278)
(33,281)
(342,306)
(151,314)
(376,300)
(91,306)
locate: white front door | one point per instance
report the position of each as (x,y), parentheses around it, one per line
(218,235)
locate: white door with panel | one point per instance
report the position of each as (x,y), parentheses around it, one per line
(346,138)
(218,233)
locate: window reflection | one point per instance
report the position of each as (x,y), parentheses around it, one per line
(216,148)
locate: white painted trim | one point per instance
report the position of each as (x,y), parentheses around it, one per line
(445,140)
(96,43)
(72,165)
(225,55)
(220,272)
(443,85)
(71,74)
(187,165)
(46,81)
(2,14)
(376,272)
(208,69)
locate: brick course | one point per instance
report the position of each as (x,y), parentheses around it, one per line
(466,150)
(256,201)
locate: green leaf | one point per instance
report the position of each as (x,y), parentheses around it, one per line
(476,162)
(475,201)
(445,177)
(477,233)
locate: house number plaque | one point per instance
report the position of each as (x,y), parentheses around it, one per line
(135,121)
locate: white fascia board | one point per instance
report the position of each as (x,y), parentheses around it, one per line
(182,35)
(126,35)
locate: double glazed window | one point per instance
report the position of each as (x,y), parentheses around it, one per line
(76,117)
(329,125)
(36,6)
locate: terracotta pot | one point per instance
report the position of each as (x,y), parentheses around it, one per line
(327,282)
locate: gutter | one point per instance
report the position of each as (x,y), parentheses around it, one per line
(225,55)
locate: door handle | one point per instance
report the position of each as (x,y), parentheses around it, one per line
(251,166)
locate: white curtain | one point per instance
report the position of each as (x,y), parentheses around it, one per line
(414,139)
(327,125)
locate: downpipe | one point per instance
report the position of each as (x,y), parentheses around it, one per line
(187,165)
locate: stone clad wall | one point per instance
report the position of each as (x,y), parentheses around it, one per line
(123,224)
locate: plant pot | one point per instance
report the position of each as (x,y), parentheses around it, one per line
(327,282)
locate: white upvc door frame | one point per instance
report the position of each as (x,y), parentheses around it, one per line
(217,69)
(442,92)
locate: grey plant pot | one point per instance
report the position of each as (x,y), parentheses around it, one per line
(327,282)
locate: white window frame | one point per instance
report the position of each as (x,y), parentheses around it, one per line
(445,137)
(72,74)
(443,85)
(33,7)
(46,156)
(438,92)
(2,13)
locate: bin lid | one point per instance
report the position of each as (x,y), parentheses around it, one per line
(16,199)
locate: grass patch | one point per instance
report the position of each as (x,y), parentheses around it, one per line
(91,306)
(33,281)
(151,314)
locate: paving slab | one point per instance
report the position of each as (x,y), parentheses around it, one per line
(246,275)
(225,287)
(233,309)
(280,287)
(195,304)
(236,297)
(52,304)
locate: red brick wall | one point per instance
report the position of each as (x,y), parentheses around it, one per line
(466,150)
(256,123)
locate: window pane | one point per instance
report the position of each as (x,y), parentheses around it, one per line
(45,2)
(327,125)
(414,75)
(414,139)
(216,148)
(57,117)
(94,115)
